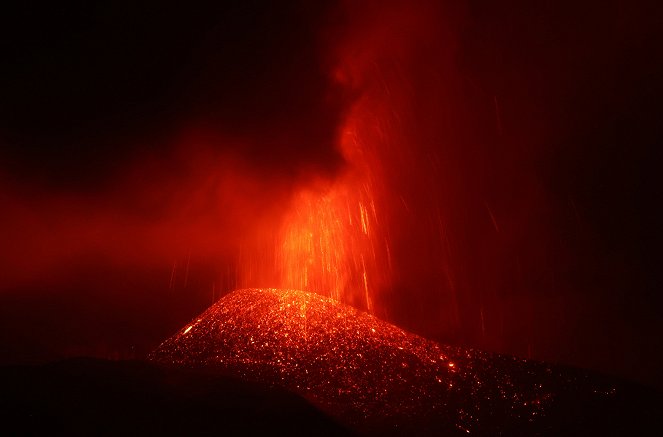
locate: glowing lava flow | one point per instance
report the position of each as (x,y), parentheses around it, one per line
(360,369)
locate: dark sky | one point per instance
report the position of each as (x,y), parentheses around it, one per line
(115,118)
(85,85)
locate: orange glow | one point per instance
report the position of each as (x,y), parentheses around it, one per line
(331,241)
(336,237)
(355,366)
(380,224)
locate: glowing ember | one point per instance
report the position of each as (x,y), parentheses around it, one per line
(359,368)
(327,244)
(335,238)
(332,240)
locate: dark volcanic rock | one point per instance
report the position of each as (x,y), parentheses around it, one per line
(376,377)
(94,397)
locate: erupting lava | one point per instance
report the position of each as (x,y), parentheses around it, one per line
(380,222)
(335,238)
(332,241)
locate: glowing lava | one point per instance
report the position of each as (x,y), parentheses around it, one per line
(336,237)
(332,241)
(359,368)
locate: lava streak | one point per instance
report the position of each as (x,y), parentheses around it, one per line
(332,240)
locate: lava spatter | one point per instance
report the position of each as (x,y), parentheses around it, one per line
(359,368)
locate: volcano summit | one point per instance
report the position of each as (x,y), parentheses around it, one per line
(374,376)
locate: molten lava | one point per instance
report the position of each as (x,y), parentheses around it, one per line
(336,238)
(332,241)
(364,371)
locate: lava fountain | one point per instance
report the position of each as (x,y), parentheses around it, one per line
(337,236)
(332,241)
(334,238)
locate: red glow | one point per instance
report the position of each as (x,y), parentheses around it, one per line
(353,365)
(332,241)
(337,236)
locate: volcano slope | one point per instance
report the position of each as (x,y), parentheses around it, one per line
(378,378)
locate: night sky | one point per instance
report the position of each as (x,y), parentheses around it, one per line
(141,146)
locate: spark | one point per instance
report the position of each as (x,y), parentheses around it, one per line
(172,275)
(492,217)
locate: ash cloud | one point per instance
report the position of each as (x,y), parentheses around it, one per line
(141,146)
(147,117)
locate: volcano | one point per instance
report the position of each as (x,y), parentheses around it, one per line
(374,376)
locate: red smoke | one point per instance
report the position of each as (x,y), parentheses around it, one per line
(161,208)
